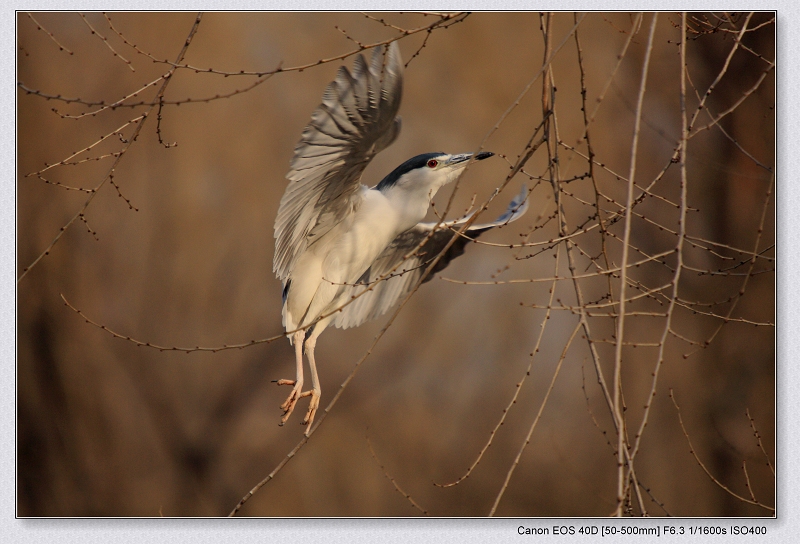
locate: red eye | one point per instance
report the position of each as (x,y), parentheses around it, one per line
(432,163)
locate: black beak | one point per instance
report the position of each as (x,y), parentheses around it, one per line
(483,155)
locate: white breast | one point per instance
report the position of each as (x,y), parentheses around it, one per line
(356,242)
(342,255)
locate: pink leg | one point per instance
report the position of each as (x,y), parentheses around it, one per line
(315,391)
(288,405)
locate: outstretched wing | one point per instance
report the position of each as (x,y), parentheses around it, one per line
(386,292)
(356,120)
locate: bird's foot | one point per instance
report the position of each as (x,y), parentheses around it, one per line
(290,402)
(312,407)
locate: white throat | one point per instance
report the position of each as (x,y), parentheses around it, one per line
(412,197)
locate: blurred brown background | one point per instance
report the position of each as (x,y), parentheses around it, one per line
(106,428)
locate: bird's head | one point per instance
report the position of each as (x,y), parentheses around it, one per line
(429,171)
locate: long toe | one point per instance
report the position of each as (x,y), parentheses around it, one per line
(312,409)
(288,405)
(288,408)
(290,402)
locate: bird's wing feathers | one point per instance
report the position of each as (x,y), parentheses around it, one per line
(386,292)
(356,120)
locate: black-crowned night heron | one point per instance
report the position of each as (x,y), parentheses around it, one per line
(339,241)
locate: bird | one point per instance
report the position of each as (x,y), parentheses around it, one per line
(344,252)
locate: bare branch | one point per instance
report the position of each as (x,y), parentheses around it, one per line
(50,34)
(394,483)
(105,41)
(699,462)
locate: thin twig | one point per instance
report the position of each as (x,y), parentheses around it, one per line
(394,483)
(105,41)
(708,473)
(749,273)
(517,390)
(535,421)
(758,438)
(52,37)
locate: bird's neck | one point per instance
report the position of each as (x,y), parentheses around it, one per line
(410,204)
